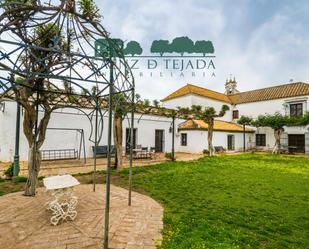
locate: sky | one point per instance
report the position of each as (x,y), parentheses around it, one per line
(259,42)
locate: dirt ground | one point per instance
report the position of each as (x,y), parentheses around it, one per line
(79,166)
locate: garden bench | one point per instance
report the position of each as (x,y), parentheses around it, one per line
(219,149)
(62,202)
(103,150)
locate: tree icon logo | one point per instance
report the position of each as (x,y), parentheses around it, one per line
(180,45)
(133,48)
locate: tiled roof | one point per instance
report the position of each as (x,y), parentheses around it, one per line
(219,125)
(269,93)
(192,89)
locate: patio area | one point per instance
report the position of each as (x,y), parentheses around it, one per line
(24,221)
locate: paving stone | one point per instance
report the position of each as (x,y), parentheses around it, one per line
(24,221)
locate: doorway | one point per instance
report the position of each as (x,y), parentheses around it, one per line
(128,139)
(296,143)
(230,142)
(159,140)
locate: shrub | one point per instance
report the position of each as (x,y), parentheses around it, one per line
(169,155)
(17,179)
(9,170)
(206,152)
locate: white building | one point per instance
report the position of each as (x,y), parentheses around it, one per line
(67,125)
(288,99)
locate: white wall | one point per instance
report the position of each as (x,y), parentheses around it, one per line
(206,102)
(270,107)
(193,99)
(197,140)
(69,139)
(183,101)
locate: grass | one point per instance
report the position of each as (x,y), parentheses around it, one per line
(243,201)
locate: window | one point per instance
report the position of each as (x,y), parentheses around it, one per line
(296,109)
(235,114)
(260,139)
(183,141)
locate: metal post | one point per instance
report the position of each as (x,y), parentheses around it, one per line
(109,141)
(17,132)
(244,126)
(80,144)
(173,138)
(131,147)
(83,136)
(95,147)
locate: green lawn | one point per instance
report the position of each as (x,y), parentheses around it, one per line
(245,201)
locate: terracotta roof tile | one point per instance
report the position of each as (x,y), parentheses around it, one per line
(192,89)
(270,93)
(219,125)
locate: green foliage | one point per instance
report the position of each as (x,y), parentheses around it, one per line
(156,103)
(121,105)
(47,35)
(305,119)
(146,102)
(208,113)
(275,121)
(160,46)
(1,179)
(9,171)
(94,90)
(138,98)
(19,179)
(14,4)
(169,155)
(240,201)
(206,152)
(182,45)
(89,10)
(133,48)
(204,47)
(244,120)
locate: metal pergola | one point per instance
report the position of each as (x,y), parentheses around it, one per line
(65,72)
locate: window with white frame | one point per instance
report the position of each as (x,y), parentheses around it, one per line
(296,109)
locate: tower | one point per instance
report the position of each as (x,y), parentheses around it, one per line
(231,86)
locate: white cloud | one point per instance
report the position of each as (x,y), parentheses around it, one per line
(259,52)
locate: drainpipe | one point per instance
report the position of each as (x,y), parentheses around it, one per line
(17,132)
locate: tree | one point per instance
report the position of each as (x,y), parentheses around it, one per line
(244,120)
(160,46)
(275,121)
(156,103)
(182,45)
(121,108)
(208,114)
(37,91)
(133,48)
(204,47)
